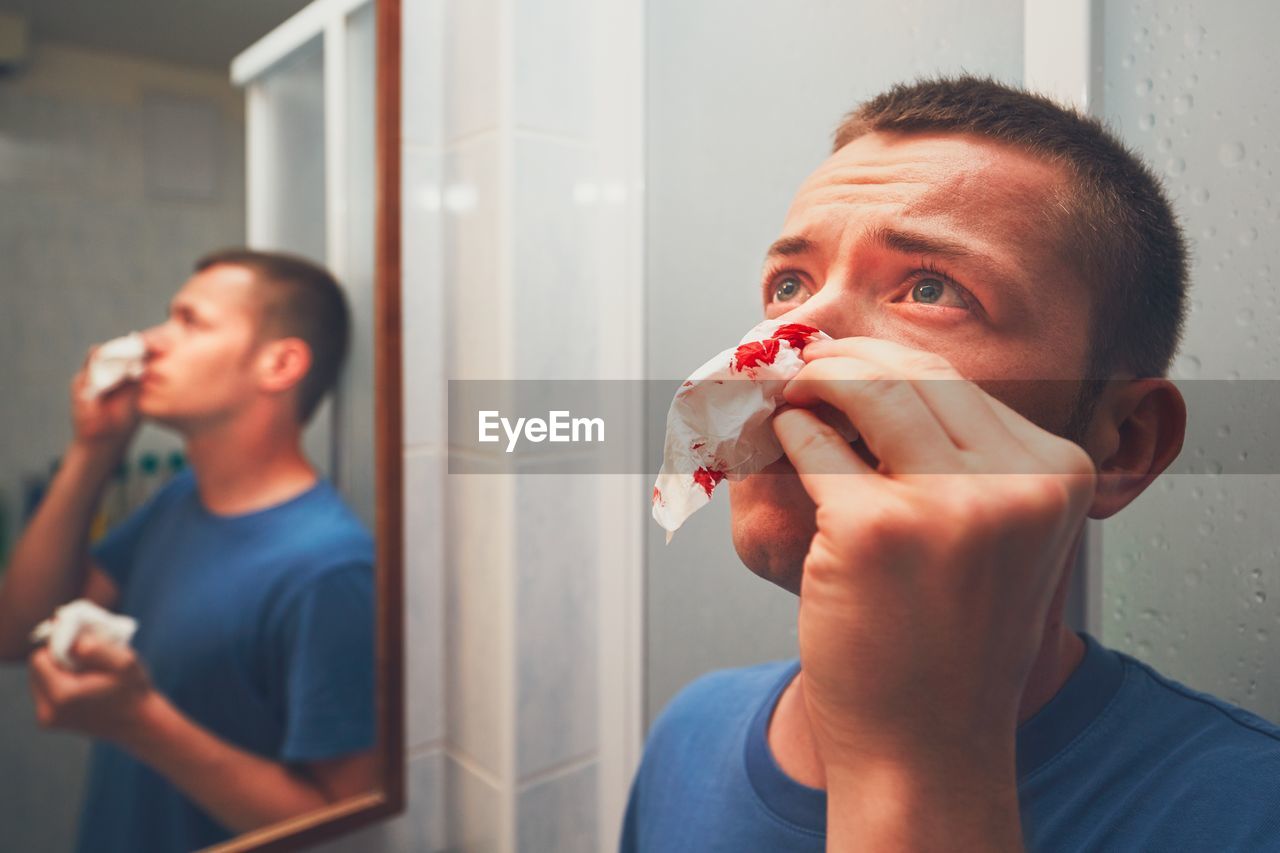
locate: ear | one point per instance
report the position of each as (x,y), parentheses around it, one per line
(1137,431)
(282,363)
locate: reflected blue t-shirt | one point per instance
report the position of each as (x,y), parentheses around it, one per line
(258,627)
(1121,759)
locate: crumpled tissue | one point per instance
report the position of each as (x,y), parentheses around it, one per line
(68,621)
(719,424)
(115,362)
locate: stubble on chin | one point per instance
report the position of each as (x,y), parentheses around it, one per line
(772,527)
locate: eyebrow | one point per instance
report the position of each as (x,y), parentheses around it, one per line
(905,242)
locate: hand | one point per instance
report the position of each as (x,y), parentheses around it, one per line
(105,699)
(109,419)
(927,584)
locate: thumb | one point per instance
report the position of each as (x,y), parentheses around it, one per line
(92,651)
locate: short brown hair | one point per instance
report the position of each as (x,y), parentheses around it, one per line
(1119,228)
(299,299)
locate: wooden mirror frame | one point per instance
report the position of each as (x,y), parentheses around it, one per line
(389,798)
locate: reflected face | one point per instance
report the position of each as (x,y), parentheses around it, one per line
(943,243)
(200,360)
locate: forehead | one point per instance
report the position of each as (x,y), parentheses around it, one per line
(222,290)
(971,187)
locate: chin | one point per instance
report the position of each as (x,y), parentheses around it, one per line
(773,521)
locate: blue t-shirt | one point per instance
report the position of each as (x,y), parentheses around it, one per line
(1121,759)
(258,627)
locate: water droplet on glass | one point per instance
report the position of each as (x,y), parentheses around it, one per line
(1146,122)
(1127,62)
(1199,195)
(1244,316)
(1193,37)
(1175,166)
(1182,104)
(1256,574)
(1205,529)
(1143,649)
(1188,365)
(1248,236)
(1260,597)
(1143,87)
(1164,145)
(1224,431)
(1231,153)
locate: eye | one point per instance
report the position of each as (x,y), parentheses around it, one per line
(787,288)
(932,288)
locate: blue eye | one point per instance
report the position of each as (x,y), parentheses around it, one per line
(932,290)
(928,290)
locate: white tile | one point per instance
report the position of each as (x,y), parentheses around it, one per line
(477,679)
(471,811)
(423,342)
(422,65)
(421,828)
(476,347)
(472,35)
(556,608)
(556,277)
(424,597)
(559,814)
(553,81)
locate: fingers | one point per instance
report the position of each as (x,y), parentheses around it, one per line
(94,653)
(963,410)
(824,461)
(887,411)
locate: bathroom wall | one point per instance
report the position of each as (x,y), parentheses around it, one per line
(520,206)
(1190,583)
(115,173)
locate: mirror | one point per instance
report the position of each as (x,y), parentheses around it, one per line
(252,534)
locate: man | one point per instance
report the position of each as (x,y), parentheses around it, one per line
(248,695)
(1006,287)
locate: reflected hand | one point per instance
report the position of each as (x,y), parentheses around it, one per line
(927,585)
(108,419)
(105,699)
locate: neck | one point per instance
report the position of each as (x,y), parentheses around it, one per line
(1061,650)
(248,463)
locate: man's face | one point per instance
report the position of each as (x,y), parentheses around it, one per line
(200,365)
(940,242)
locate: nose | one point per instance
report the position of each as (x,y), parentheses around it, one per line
(154,339)
(834,310)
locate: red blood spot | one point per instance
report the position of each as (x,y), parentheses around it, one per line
(698,444)
(755,354)
(795,334)
(707,478)
(657,495)
(687,383)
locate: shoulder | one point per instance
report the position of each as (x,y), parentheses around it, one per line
(319,530)
(715,708)
(1212,751)
(1220,722)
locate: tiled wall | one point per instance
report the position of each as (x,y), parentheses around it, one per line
(512,210)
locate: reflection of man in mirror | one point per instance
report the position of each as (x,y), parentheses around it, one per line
(970,233)
(248,694)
